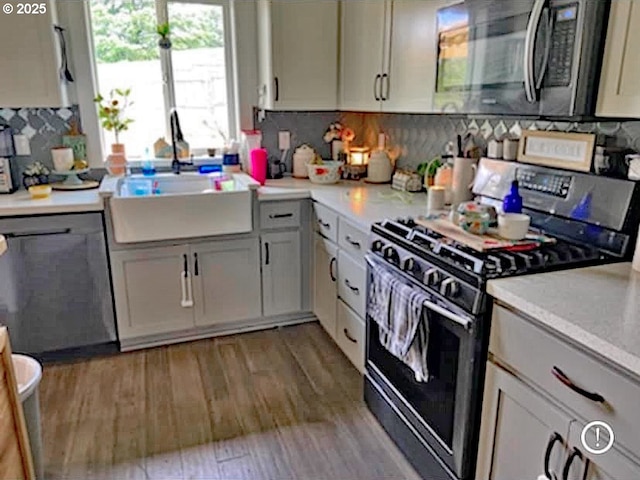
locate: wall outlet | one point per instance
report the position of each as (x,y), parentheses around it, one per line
(22,145)
(284,140)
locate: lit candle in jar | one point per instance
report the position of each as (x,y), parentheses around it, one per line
(359,156)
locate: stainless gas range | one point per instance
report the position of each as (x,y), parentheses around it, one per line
(436,423)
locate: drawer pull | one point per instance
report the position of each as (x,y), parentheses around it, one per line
(324,225)
(555,437)
(560,375)
(355,290)
(280,215)
(355,244)
(332,266)
(567,466)
(349,337)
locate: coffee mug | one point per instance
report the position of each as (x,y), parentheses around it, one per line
(62,158)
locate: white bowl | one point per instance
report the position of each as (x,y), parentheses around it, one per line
(328,172)
(513,226)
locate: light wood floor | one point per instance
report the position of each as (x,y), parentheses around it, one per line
(281,404)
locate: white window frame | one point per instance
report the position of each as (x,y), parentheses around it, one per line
(167,68)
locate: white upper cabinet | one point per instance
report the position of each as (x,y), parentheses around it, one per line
(363,26)
(30,75)
(619,95)
(389,55)
(298,54)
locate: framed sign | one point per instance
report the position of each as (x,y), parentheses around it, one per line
(571,151)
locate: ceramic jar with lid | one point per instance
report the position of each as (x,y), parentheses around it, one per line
(303,156)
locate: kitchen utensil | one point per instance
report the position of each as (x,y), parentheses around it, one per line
(435,198)
(495,149)
(302,156)
(513,226)
(62,158)
(277,169)
(510,148)
(464,172)
(259,165)
(328,172)
(633,162)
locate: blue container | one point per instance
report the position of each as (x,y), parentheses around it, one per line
(512,202)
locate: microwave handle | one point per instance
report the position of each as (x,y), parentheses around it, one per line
(529,50)
(547,50)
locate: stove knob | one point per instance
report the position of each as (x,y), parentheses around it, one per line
(449,288)
(432,277)
(377,245)
(390,254)
(410,265)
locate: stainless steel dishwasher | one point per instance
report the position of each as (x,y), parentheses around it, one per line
(55,288)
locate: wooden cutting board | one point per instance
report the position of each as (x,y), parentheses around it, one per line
(482,243)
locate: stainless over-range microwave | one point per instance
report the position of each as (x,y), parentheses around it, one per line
(524,57)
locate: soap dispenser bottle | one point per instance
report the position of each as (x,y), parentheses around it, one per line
(512,202)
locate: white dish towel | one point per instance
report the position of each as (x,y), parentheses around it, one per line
(398,309)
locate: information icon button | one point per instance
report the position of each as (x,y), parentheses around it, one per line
(597,437)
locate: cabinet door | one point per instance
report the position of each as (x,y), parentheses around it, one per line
(612,465)
(325,276)
(518,427)
(281,273)
(305,54)
(226,281)
(619,95)
(411,65)
(363,39)
(148,291)
(29,75)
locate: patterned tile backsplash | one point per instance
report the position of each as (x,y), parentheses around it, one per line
(43,127)
(421,137)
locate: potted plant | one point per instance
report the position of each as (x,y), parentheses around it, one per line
(164,30)
(111,114)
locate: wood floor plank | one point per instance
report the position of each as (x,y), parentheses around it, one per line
(277,404)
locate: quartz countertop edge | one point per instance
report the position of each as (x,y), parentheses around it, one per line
(596,309)
(77,201)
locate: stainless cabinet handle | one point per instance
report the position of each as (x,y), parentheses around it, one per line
(38,233)
(281,215)
(332,265)
(555,437)
(384,86)
(349,337)
(562,377)
(185,283)
(377,87)
(355,290)
(324,225)
(353,242)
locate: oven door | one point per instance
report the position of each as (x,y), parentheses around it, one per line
(442,411)
(492,56)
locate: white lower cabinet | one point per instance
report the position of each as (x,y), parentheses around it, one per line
(226,281)
(281,273)
(325,276)
(352,283)
(518,428)
(148,291)
(350,335)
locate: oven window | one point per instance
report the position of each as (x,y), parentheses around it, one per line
(434,400)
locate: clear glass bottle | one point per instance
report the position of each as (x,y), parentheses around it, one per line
(148,168)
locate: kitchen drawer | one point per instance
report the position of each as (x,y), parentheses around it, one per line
(279,215)
(352,239)
(350,335)
(352,282)
(326,221)
(532,352)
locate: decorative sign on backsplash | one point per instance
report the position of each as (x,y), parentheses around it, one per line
(572,151)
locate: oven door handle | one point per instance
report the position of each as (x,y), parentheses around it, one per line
(465,322)
(529,50)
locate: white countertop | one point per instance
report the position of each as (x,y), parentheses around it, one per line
(596,308)
(21,203)
(360,202)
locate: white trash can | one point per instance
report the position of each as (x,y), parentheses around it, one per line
(28,375)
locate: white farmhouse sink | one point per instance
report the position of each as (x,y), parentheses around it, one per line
(169,206)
